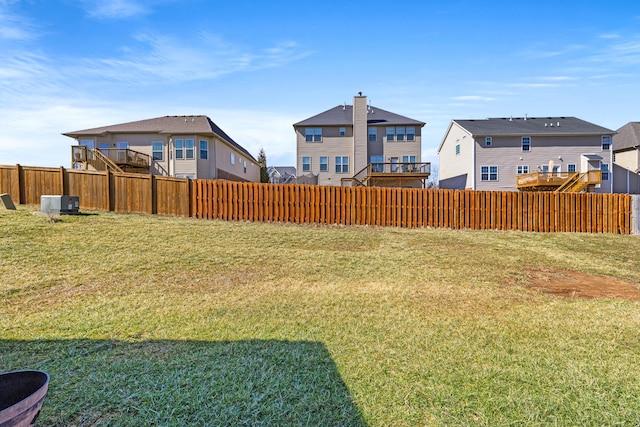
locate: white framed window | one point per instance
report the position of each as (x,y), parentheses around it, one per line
(324,164)
(400,133)
(313,134)
(377,163)
(391,133)
(343,131)
(526,143)
(233,158)
(571,167)
(204,149)
(489,173)
(457,149)
(189,145)
(604,167)
(373,134)
(180,148)
(545,169)
(411,133)
(306,164)
(488,141)
(408,163)
(157,151)
(342,164)
(87,143)
(522,169)
(244,165)
(606,143)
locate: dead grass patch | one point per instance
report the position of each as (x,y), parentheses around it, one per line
(576,284)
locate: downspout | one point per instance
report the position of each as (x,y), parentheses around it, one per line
(473,163)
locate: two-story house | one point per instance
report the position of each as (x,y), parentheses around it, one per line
(626,160)
(526,153)
(178,146)
(361,144)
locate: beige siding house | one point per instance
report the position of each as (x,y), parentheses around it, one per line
(345,141)
(177,146)
(626,151)
(489,154)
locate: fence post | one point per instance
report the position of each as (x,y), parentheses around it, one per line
(635,214)
(20,185)
(107,199)
(63,186)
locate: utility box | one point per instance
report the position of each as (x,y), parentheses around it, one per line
(60,205)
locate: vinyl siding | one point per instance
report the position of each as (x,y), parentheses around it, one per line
(331,146)
(506,153)
(453,165)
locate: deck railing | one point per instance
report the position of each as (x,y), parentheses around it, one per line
(408,170)
(550,181)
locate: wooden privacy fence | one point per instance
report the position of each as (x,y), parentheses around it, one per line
(408,207)
(307,204)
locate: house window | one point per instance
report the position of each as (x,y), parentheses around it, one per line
(571,167)
(400,134)
(204,149)
(523,169)
(156,151)
(189,145)
(324,164)
(377,163)
(408,163)
(390,133)
(342,164)
(343,131)
(488,141)
(605,171)
(87,143)
(179,149)
(244,165)
(457,149)
(313,134)
(306,164)
(606,143)
(411,133)
(233,159)
(489,173)
(526,143)
(373,134)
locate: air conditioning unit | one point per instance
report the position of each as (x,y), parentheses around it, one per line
(60,205)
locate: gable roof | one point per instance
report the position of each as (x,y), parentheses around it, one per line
(168,125)
(628,136)
(532,126)
(342,115)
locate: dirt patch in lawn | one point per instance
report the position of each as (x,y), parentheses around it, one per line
(573,284)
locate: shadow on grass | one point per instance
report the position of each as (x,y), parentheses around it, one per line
(106,382)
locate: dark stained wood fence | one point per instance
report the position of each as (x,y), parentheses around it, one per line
(307,204)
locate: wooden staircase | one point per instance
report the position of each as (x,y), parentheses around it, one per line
(580,181)
(115,160)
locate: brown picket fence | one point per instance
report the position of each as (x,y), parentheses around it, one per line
(307,204)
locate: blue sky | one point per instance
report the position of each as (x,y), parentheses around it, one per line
(257,67)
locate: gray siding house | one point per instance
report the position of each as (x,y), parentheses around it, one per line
(177,146)
(489,154)
(346,140)
(626,161)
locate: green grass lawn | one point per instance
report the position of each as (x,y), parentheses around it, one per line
(158,321)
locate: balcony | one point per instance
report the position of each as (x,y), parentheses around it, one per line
(574,182)
(391,175)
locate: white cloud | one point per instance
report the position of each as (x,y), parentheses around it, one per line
(114,9)
(15,27)
(473,98)
(207,56)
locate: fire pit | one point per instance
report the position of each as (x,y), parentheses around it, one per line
(21,397)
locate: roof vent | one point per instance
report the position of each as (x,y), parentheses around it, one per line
(511,118)
(525,117)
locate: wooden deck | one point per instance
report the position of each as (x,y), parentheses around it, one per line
(570,182)
(409,175)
